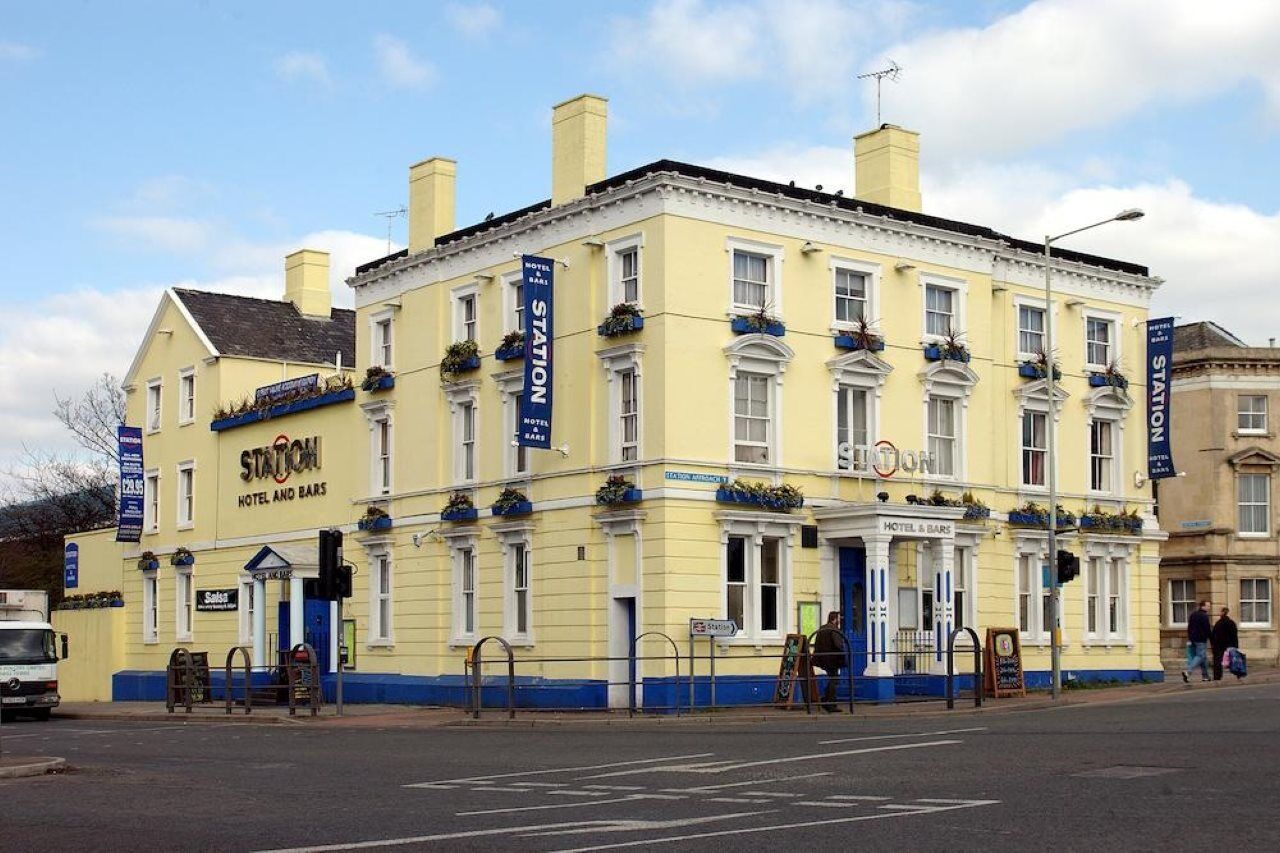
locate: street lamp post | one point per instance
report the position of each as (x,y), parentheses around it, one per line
(1055,591)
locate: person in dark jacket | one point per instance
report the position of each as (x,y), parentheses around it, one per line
(1224,636)
(1198,633)
(831,653)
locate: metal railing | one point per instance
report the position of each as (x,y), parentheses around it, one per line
(229,684)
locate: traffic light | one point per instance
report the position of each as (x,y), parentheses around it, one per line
(330,562)
(1068,567)
(342,585)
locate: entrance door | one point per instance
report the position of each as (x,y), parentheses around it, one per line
(315,618)
(853,604)
(623,678)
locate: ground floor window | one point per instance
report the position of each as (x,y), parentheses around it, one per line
(1035,613)
(380,603)
(466,585)
(150,607)
(247,605)
(1255,601)
(184,604)
(755,583)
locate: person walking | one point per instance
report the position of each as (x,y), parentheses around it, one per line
(1225,636)
(1198,633)
(831,651)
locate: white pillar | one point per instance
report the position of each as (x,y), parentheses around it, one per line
(944,600)
(259,622)
(878,594)
(297,628)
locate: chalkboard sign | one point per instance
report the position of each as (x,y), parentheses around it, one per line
(1004,663)
(795,666)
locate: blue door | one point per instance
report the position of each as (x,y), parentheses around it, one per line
(853,604)
(315,616)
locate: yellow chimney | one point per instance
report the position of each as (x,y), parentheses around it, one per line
(306,282)
(431,198)
(577,146)
(887,167)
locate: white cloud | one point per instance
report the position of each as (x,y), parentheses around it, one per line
(399,66)
(300,65)
(473,19)
(692,41)
(167,233)
(12,51)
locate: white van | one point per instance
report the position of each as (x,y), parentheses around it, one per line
(28,656)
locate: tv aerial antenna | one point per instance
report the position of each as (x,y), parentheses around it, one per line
(390,216)
(889,73)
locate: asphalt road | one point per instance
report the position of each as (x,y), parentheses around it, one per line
(1192,770)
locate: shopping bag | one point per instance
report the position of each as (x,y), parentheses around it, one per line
(1238,665)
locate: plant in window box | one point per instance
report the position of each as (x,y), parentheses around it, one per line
(182,557)
(618,490)
(511,501)
(759,322)
(374,518)
(1032,514)
(861,337)
(1037,367)
(147,561)
(512,346)
(950,347)
(974,508)
(378,378)
(459,508)
(1131,521)
(459,357)
(116,598)
(623,317)
(939,499)
(1111,376)
(784,497)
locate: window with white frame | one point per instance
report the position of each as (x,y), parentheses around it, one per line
(186,395)
(380,601)
(756,367)
(752,418)
(751,281)
(853,421)
(382,446)
(520,603)
(518,455)
(517,582)
(940,310)
(755,583)
(150,607)
(1099,342)
(622,372)
(1251,414)
(1035,616)
(1255,601)
(851,295)
(962,589)
(1106,593)
(383,354)
(465,621)
(1102,457)
(1253,498)
(465,442)
(247,605)
(467,591)
(1092,594)
(629,415)
(513,297)
(1031,330)
(1035,447)
(185,602)
(151,502)
(186,494)
(1117,598)
(624,277)
(1182,601)
(154,395)
(941,414)
(466,313)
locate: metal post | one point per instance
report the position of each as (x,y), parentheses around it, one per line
(1055,592)
(341,665)
(712,656)
(692,658)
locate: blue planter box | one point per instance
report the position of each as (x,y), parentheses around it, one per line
(634,324)
(471,363)
(850,342)
(383,523)
(282,409)
(933,352)
(509,353)
(468,513)
(116,603)
(629,496)
(520,508)
(382,383)
(1028,519)
(1029,370)
(185,561)
(974,512)
(742,326)
(152,566)
(728,496)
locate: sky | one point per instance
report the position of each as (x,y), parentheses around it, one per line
(147,145)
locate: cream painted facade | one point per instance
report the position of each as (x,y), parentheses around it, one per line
(675,407)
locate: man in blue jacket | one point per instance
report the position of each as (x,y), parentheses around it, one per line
(1198,632)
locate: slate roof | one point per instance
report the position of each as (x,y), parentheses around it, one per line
(799,193)
(271,329)
(1204,335)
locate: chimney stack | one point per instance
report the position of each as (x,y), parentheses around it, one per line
(431,199)
(887,167)
(306,282)
(577,146)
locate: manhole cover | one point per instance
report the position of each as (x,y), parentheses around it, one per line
(1126,771)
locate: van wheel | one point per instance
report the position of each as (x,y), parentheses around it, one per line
(41,713)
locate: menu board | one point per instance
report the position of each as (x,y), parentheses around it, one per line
(1003,664)
(796,665)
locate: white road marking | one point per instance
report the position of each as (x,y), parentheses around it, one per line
(482,779)
(640,825)
(824,804)
(732,800)
(505,790)
(822,755)
(422,839)
(774,827)
(658,797)
(869,799)
(617,787)
(542,784)
(906,808)
(935,800)
(704,788)
(911,734)
(578,793)
(576,805)
(769,794)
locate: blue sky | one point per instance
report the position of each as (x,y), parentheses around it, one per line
(153,144)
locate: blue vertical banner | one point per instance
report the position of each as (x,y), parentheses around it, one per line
(1159,400)
(535,402)
(133,489)
(71,566)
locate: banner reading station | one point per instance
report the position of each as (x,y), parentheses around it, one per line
(535,402)
(1159,363)
(133,488)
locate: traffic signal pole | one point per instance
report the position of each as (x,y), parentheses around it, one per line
(1055,591)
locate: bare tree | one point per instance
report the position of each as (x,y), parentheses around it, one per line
(92,417)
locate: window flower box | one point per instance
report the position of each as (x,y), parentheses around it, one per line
(618,490)
(757,325)
(625,317)
(1037,370)
(148,562)
(976,512)
(940,352)
(460,357)
(378,378)
(511,348)
(1028,519)
(305,404)
(379,523)
(782,498)
(850,342)
(466,513)
(1102,380)
(1034,515)
(516,508)
(182,557)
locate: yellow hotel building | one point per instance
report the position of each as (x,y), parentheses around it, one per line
(743,357)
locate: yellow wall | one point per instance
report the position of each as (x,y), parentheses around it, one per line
(95,651)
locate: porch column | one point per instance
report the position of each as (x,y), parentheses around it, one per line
(944,600)
(297,630)
(878,594)
(259,622)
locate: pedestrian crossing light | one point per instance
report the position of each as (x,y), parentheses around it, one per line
(1068,567)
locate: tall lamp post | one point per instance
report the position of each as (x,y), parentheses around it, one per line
(1055,591)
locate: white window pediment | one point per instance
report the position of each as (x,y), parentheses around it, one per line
(1035,397)
(619,358)
(1255,456)
(859,368)
(1108,403)
(948,379)
(377,410)
(758,354)
(458,393)
(510,383)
